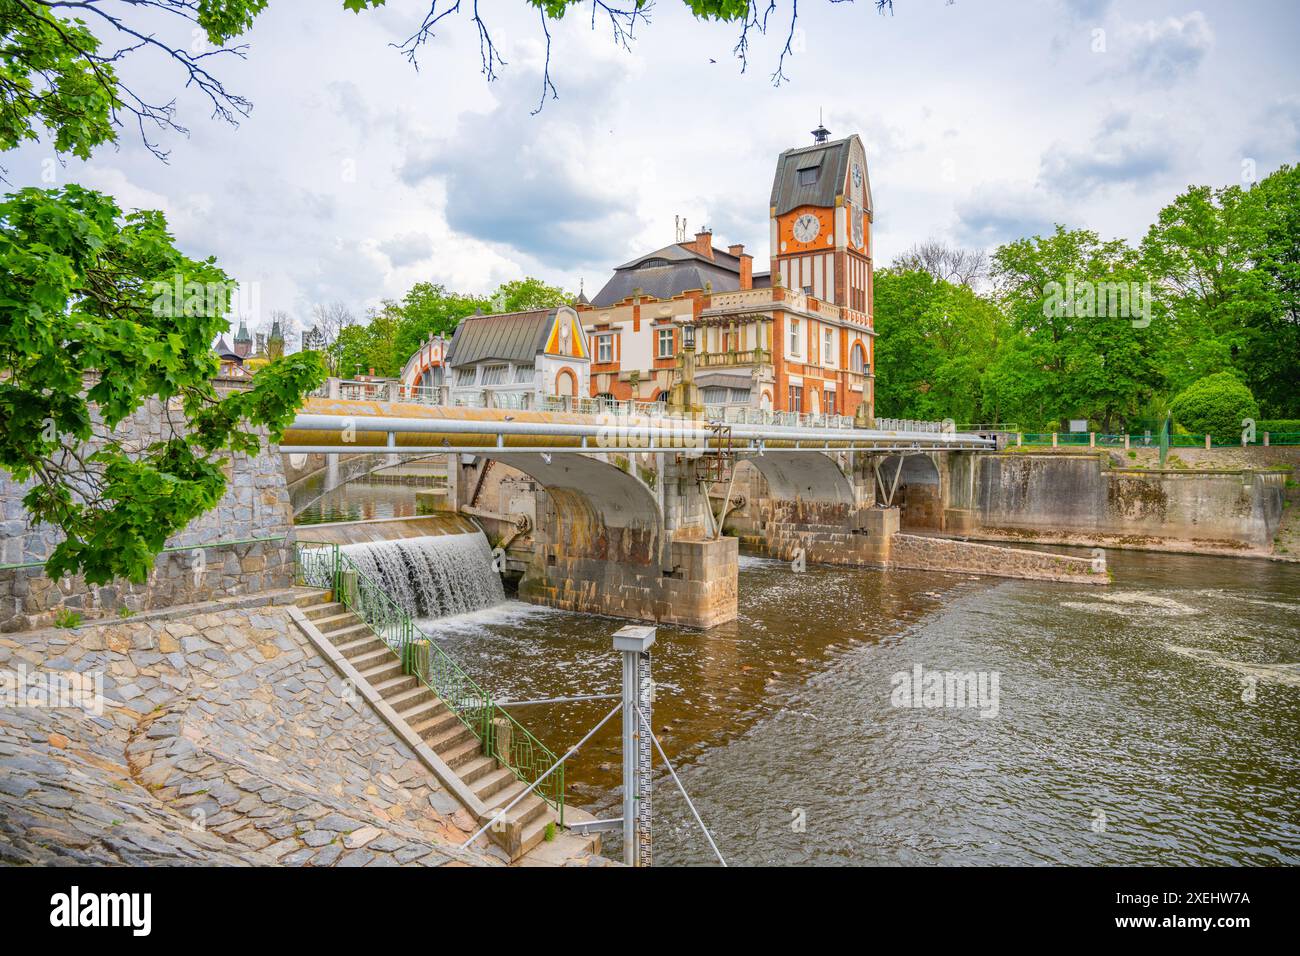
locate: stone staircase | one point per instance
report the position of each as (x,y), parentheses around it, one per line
(436,724)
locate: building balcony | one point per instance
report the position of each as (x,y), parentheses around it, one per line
(733,359)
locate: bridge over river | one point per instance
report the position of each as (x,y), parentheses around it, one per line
(628,525)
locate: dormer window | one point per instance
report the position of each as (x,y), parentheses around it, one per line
(653,264)
(808,176)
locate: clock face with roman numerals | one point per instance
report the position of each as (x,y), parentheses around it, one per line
(806,227)
(857,175)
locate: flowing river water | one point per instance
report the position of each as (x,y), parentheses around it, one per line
(1153,721)
(1143,723)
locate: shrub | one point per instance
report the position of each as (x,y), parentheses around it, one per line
(1278,426)
(1214,405)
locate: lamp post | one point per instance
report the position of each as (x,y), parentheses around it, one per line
(684,396)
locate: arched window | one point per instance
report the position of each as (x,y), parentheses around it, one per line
(858,358)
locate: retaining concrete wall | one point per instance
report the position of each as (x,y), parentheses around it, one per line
(1056,495)
(254,511)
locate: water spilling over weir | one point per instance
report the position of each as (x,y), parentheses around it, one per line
(433,576)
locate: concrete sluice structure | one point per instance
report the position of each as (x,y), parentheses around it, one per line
(620,511)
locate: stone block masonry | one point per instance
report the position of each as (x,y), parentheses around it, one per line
(242,546)
(927,553)
(224,738)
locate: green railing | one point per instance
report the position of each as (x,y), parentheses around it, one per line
(501,736)
(1139,440)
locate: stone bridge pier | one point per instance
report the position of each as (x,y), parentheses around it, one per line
(628,538)
(814,506)
(843,508)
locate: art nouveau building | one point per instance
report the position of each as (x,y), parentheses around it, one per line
(507,360)
(795,338)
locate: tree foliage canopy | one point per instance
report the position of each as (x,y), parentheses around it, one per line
(99,314)
(396,329)
(1216,288)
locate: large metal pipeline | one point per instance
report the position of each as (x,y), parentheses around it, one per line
(499,430)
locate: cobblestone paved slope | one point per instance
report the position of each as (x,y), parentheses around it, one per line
(224,739)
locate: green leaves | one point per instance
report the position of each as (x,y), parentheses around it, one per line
(48,81)
(100,316)
(1215,405)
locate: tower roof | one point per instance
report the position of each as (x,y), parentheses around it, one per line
(832,160)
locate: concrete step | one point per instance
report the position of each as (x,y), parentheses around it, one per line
(356,642)
(329,623)
(477,769)
(451,738)
(436,723)
(347,632)
(416,712)
(385,670)
(526,810)
(535,830)
(402,701)
(366,659)
(312,598)
(462,753)
(317,611)
(395,685)
(490,783)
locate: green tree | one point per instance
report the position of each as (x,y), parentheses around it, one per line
(935,341)
(1215,405)
(1198,251)
(372,345)
(429,309)
(100,313)
(1270,352)
(1097,354)
(523,295)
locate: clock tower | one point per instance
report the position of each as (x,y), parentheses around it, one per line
(821,216)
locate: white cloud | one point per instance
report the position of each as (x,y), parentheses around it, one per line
(357,176)
(1168,50)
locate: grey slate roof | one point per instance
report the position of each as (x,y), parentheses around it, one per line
(684,270)
(832,160)
(508,337)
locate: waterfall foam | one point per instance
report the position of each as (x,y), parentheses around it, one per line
(432,576)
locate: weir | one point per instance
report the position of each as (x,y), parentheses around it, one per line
(433,576)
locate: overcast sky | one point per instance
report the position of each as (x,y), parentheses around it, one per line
(357,176)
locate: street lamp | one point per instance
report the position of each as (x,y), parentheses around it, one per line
(688,333)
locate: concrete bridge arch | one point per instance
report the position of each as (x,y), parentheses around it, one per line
(602,543)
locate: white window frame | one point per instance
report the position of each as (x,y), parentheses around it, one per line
(664,336)
(829,357)
(794,339)
(605,344)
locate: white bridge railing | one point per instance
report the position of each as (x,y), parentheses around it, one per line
(393,391)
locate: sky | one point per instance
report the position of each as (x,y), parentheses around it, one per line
(357,174)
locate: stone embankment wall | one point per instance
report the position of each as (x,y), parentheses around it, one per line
(241,547)
(1074,498)
(929,553)
(224,738)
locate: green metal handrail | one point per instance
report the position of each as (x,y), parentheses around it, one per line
(323,565)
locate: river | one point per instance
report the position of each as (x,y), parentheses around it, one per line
(1122,731)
